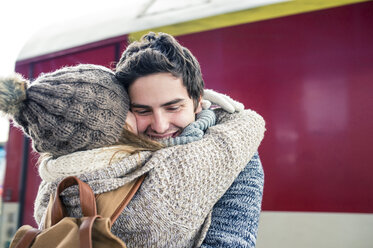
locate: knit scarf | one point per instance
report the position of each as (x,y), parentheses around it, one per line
(182,185)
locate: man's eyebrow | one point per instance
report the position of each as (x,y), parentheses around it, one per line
(177,100)
(135,105)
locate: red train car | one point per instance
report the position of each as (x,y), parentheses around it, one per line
(305,66)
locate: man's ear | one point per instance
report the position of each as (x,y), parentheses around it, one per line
(199,105)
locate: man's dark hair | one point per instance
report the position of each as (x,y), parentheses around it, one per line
(156,53)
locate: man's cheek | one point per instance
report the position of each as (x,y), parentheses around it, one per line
(142,123)
(183,118)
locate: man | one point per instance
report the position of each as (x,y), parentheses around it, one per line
(165,85)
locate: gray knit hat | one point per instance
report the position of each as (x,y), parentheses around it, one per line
(72,109)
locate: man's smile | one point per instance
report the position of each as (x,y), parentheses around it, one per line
(167,135)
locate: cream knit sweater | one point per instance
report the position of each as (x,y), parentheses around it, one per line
(172,207)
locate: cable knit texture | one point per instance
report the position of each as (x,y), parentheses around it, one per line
(68,110)
(183,183)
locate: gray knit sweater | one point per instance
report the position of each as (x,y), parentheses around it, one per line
(181,188)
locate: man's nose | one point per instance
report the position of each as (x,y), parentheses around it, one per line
(160,122)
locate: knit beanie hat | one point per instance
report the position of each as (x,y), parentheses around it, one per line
(72,109)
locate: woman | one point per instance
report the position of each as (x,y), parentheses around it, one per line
(76,115)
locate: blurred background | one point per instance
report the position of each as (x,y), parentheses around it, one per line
(305,65)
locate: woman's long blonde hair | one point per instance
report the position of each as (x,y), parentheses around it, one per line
(133,143)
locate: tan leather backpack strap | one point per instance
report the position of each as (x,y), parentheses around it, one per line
(127,199)
(87,199)
(111,204)
(85,231)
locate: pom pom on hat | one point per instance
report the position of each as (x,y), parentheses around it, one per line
(12,94)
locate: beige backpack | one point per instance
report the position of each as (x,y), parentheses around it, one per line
(92,230)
